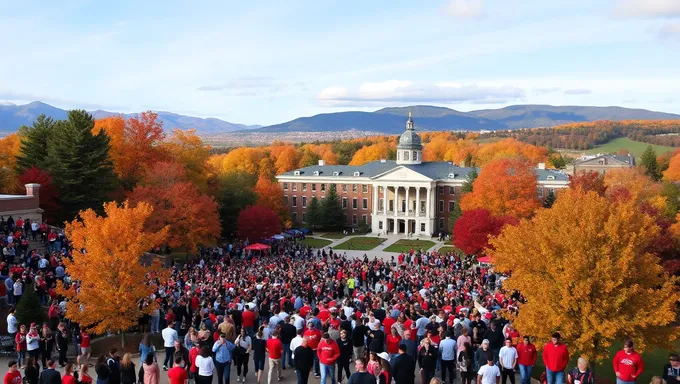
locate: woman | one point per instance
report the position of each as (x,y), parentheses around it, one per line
(20,342)
(69,377)
(33,342)
(103,371)
(85,377)
(62,343)
(145,348)
(581,374)
(427,359)
(465,364)
(244,345)
(385,373)
(657,380)
(190,338)
(259,353)
(462,339)
(373,366)
(32,372)
(152,373)
(205,365)
(128,374)
(46,343)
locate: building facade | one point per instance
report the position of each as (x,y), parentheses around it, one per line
(601,163)
(25,206)
(406,196)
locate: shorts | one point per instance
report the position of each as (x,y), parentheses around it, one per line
(259,364)
(85,350)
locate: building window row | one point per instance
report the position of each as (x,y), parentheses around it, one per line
(313,186)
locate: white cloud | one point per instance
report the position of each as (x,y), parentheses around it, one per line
(647,8)
(465,9)
(398,91)
(577,91)
(542,91)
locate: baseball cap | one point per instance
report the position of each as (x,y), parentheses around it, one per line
(384,356)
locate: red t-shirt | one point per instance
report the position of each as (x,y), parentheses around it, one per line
(68,379)
(85,379)
(313,337)
(248,319)
(275,348)
(177,375)
(20,341)
(193,352)
(628,364)
(393,344)
(12,378)
(304,311)
(389,321)
(84,340)
(324,315)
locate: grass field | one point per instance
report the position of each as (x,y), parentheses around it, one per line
(448,248)
(360,243)
(316,243)
(634,147)
(332,235)
(406,245)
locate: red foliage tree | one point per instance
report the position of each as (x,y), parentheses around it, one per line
(472,230)
(258,222)
(589,181)
(49,201)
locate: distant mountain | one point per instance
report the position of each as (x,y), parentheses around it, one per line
(430,118)
(14,116)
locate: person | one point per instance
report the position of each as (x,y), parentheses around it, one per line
(465,364)
(462,339)
(385,372)
(244,345)
(393,340)
(657,380)
(178,374)
(62,343)
(373,366)
(20,342)
(274,348)
(12,322)
(13,376)
(152,373)
(181,351)
(489,373)
(328,353)
(358,338)
(113,362)
(33,342)
(507,358)
(31,371)
(671,371)
(403,367)
(85,350)
(205,365)
(46,343)
(313,336)
(287,334)
(85,377)
(259,351)
(447,353)
(427,359)
(361,376)
(581,373)
(481,354)
(102,370)
(495,337)
(304,361)
(555,359)
(346,351)
(526,358)
(50,375)
(69,376)
(128,373)
(145,348)
(223,349)
(628,364)
(169,336)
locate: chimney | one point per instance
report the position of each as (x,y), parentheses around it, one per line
(541,165)
(322,163)
(383,161)
(33,190)
(462,164)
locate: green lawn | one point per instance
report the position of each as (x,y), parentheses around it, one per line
(634,147)
(406,245)
(360,243)
(449,248)
(316,243)
(332,235)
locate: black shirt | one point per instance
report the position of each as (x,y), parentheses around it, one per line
(288,333)
(304,359)
(361,378)
(358,335)
(258,348)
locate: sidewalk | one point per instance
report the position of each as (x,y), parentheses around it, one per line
(379,250)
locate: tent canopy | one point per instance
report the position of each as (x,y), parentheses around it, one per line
(485,259)
(257,247)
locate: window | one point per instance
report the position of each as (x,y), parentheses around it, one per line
(415,155)
(364,188)
(441,190)
(364,203)
(313,187)
(285,186)
(344,188)
(323,187)
(398,155)
(294,217)
(405,155)
(304,217)
(294,187)
(304,187)
(451,206)
(364,219)
(380,224)
(540,192)
(357,174)
(316,173)
(422,227)
(441,205)
(304,202)
(285,200)
(381,204)
(452,190)
(354,219)
(354,187)
(336,173)
(551,192)
(601,162)
(294,201)
(345,217)
(441,223)
(296,173)
(355,203)
(344,202)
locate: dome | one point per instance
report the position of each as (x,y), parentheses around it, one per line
(410,140)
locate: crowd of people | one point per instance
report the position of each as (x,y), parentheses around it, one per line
(436,316)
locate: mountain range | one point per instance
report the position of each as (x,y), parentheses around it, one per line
(386,120)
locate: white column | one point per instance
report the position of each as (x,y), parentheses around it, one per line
(396,201)
(417,203)
(375,199)
(407,202)
(428,202)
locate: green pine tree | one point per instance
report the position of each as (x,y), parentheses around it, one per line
(80,165)
(331,208)
(29,309)
(235,194)
(649,163)
(455,215)
(549,200)
(314,215)
(467,185)
(34,143)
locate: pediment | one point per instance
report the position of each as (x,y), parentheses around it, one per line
(401,174)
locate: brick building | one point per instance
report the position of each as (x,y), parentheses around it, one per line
(25,206)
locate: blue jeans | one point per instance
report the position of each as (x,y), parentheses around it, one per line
(619,381)
(525,373)
(326,371)
(287,356)
(554,377)
(155,323)
(223,372)
(316,364)
(21,357)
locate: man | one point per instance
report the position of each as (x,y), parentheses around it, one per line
(628,364)
(555,359)
(526,358)
(181,351)
(228,329)
(507,356)
(403,367)
(447,354)
(328,353)
(222,350)
(489,373)
(248,321)
(411,346)
(361,376)
(495,337)
(50,375)
(169,336)
(358,338)
(13,376)
(193,353)
(288,333)
(275,349)
(296,342)
(12,323)
(85,349)
(671,371)
(313,337)
(113,362)
(304,361)
(346,351)
(177,374)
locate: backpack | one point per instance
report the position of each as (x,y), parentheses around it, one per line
(463,362)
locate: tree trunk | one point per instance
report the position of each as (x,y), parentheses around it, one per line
(122,338)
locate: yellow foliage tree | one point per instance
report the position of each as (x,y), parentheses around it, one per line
(110,280)
(584,270)
(672,174)
(633,184)
(510,148)
(9,149)
(187,149)
(377,151)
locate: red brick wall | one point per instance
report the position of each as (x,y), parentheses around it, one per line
(446,197)
(18,204)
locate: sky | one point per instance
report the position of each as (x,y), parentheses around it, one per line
(267,62)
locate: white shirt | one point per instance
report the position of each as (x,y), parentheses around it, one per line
(296,342)
(12,324)
(298,321)
(489,373)
(266,333)
(169,337)
(507,356)
(205,365)
(18,288)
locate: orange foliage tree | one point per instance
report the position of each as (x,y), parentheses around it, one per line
(510,148)
(504,187)
(187,149)
(588,181)
(270,195)
(109,279)
(9,149)
(287,158)
(632,184)
(672,174)
(377,151)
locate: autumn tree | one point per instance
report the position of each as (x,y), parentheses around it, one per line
(309,158)
(187,149)
(649,164)
(632,184)
(287,159)
(588,181)
(111,281)
(378,151)
(9,150)
(257,222)
(583,261)
(270,195)
(672,174)
(49,197)
(504,187)
(473,228)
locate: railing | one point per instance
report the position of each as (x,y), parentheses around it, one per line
(403,214)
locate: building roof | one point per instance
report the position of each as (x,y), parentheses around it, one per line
(410,139)
(627,159)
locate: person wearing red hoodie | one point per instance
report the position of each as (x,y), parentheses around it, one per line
(275,349)
(628,364)
(526,359)
(328,352)
(555,358)
(313,337)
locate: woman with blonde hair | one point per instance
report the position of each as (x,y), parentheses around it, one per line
(190,338)
(657,380)
(581,374)
(85,377)
(128,374)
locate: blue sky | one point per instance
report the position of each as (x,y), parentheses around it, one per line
(265,62)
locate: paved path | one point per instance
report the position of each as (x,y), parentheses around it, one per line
(378,251)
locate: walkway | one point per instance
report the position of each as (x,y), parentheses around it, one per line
(378,251)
